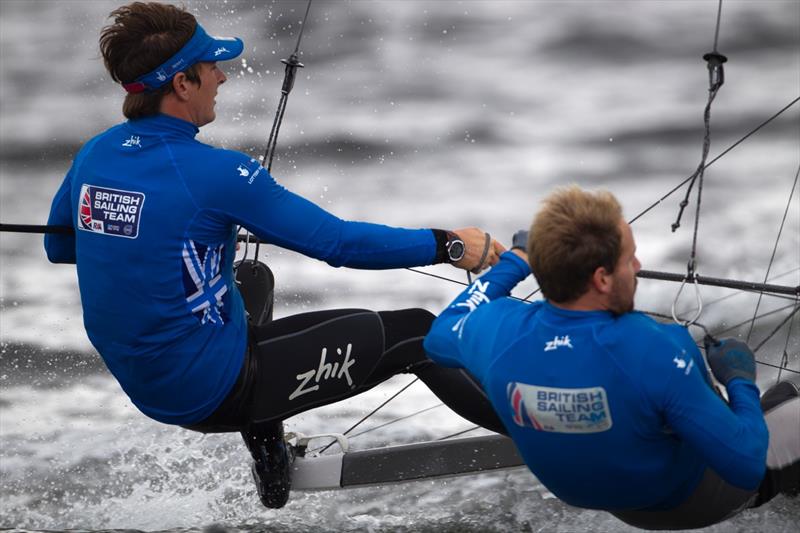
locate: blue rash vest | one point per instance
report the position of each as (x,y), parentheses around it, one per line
(155,214)
(609,412)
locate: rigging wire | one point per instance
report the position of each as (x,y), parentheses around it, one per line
(759,317)
(459,433)
(389,423)
(777,328)
(292,64)
(785,357)
(775,248)
(717,158)
(717,333)
(381,406)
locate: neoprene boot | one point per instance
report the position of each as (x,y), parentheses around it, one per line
(272,462)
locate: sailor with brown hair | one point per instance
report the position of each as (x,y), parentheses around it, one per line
(610,409)
(156,214)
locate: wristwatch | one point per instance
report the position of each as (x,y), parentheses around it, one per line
(455,247)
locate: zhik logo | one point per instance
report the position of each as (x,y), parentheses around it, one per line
(324,372)
(133,142)
(477,296)
(558,342)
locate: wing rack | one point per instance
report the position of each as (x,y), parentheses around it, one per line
(409,462)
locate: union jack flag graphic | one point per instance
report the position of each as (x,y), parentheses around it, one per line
(86,208)
(522,416)
(203,281)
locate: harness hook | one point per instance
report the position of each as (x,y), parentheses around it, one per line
(690,275)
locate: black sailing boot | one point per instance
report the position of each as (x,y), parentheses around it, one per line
(272,462)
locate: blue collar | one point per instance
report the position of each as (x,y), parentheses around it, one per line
(161,123)
(560,315)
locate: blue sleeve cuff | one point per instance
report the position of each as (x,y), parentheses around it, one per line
(524,268)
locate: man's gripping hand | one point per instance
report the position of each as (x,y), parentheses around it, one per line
(519,244)
(731,358)
(479,252)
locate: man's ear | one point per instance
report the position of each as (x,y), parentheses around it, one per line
(180,85)
(601,280)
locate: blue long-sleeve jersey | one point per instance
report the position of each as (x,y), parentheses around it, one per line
(155,215)
(609,412)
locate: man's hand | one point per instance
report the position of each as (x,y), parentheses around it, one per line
(476,254)
(520,240)
(519,244)
(731,358)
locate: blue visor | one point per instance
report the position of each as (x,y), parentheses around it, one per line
(201,47)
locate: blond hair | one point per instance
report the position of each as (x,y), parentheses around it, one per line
(574,233)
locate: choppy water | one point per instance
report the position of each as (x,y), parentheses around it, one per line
(407,113)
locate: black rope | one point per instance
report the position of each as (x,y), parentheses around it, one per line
(716,78)
(775,248)
(697,177)
(289,74)
(292,64)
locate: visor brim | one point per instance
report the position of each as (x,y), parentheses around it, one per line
(223,49)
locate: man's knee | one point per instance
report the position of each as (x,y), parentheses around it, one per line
(405,324)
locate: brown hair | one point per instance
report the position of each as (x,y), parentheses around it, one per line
(574,233)
(142,37)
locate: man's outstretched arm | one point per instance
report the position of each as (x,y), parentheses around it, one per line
(460,329)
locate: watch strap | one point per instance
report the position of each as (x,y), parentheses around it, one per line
(441,237)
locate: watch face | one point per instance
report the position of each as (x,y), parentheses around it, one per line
(455,250)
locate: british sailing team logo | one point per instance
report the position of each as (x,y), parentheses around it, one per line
(559,410)
(110,211)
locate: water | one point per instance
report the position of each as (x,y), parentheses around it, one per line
(468,111)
